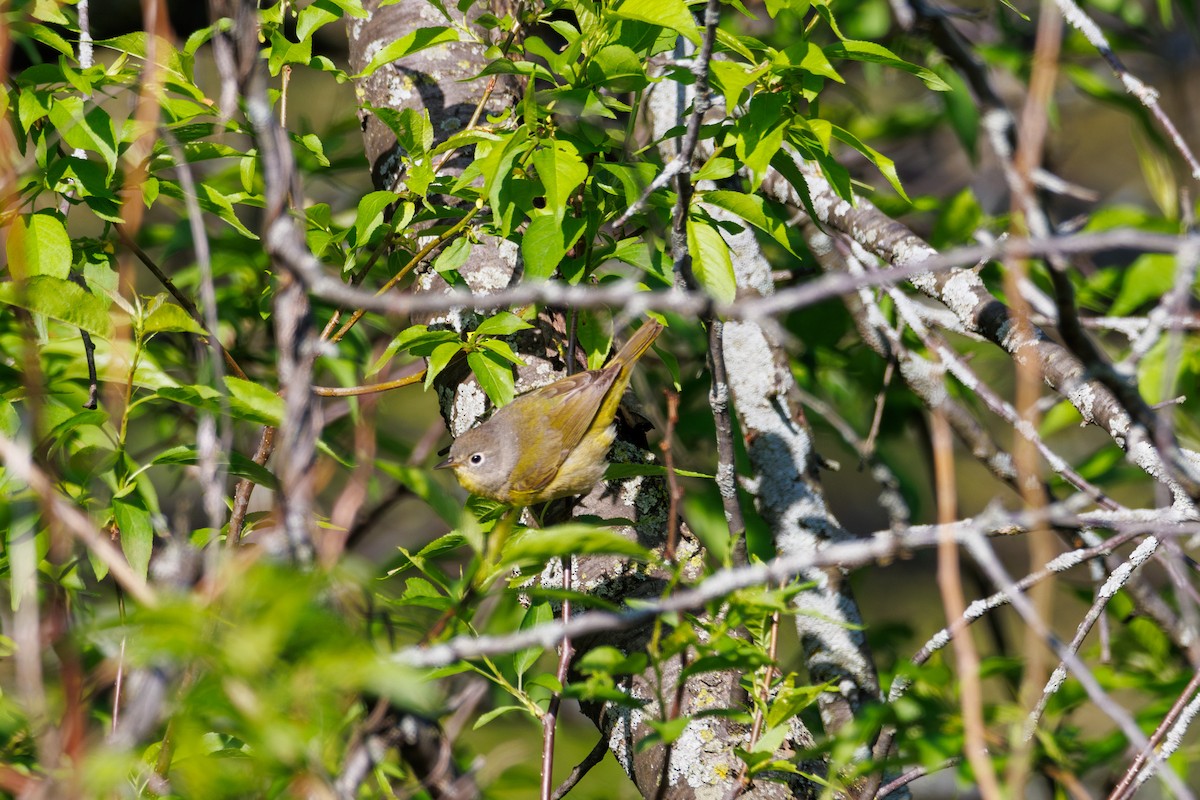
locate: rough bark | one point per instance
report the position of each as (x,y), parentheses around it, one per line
(702,762)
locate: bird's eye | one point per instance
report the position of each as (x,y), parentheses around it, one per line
(476,459)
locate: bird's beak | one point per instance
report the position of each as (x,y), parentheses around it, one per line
(445,463)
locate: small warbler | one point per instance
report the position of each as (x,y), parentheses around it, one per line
(552,441)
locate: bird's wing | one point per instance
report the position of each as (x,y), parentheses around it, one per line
(572,405)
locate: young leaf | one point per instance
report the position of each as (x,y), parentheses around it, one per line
(546,242)
(759,134)
(38,245)
(439,359)
(239,465)
(61,300)
(137,534)
(170,317)
(560,170)
(494,374)
(870,51)
(711,262)
(570,539)
(673,14)
(248,400)
(502,324)
(407,45)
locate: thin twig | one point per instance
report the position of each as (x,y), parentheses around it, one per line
(594,757)
(1115,582)
(673,488)
(373,388)
(19,460)
(664,776)
(912,775)
(882,546)
(988,561)
(420,256)
(1125,787)
(685,278)
(1146,95)
(950,583)
(550,718)
(636,300)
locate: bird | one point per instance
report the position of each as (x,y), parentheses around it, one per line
(550,442)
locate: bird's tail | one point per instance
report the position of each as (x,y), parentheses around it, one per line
(637,345)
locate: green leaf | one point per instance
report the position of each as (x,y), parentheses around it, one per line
(370,214)
(312,17)
(595,336)
(791,700)
(618,68)
(248,400)
(711,262)
(137,534)
(625,470)
(502,349)
(673,14)
(212,201)
(454,256)
(414,131)
(92,130)
(870,51)
(440,358)
(407,45)
(447,506)
(608,660)
(754,209)
(797,7)
(503,324)
(664,732)
(38,245)
(313,144)
(284,51)
(561,171)
(885,165)
(417,339)
(496,167)
(536,615)
(759,134)
(732,78)
(538,546)
(488,716)
(546,242)
(61,300)
(170,317)
(1149,277)
(716,168)
(494,374)
(238,465)
(49,11)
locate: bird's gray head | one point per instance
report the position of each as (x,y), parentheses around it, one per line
(483,458)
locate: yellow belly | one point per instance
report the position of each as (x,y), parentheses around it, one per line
(583,468)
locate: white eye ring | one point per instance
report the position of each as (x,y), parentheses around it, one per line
(476,459)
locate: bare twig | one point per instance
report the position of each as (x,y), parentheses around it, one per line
(550,718)
(636,300)
(594,757)
(673,487)
(987,560)
(879,547)
(1145,95)
(369,389)
(1125,787)
(20,460)
(950,584)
